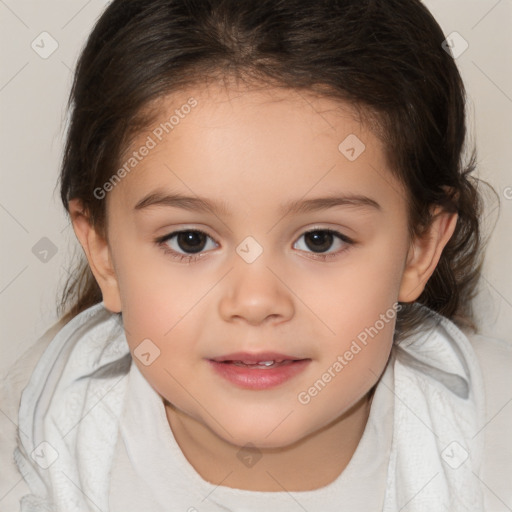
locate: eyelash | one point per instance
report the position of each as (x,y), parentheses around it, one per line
(188,258)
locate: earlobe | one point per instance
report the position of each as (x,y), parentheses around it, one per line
(98,255)
(424,254)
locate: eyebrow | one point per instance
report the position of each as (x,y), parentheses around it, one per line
(161,198)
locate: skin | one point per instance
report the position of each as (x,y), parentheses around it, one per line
(255,149)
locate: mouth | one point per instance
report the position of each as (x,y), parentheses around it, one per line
(258,370)
(257,360)
(261,364)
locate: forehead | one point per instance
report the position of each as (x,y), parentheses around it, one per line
(216,139)
(255,112)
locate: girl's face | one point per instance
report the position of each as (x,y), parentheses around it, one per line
(244,176)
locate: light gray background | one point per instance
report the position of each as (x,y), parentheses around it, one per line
(33,95)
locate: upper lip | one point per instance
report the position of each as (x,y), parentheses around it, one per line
(255,357)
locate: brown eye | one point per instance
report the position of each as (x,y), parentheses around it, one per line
(184,244)
(318,241)
(191,241)
(321,242)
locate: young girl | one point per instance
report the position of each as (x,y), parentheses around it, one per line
(282,242)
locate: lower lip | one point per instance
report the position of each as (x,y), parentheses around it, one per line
(255,378)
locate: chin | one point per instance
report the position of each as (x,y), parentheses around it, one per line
(270,434)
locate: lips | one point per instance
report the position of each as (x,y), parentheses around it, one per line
(258,371)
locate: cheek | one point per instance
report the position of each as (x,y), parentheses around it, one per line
(164,345)
(348,369)
(164,312)
(363,287)
(156,293)
(358,313)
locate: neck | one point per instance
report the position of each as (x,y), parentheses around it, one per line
(310,463)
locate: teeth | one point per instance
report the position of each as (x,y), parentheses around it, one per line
(259,363)
(264,364)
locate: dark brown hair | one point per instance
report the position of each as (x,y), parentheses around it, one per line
(385,57)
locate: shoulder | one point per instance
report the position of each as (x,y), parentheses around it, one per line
(12,486)
(495,359)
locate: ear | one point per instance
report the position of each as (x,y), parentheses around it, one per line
(424,254)
(98,255)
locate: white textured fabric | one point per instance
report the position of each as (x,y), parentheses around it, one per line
(70,412)
(69,420)
(439,409)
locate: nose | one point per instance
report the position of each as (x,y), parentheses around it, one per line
(255,294)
